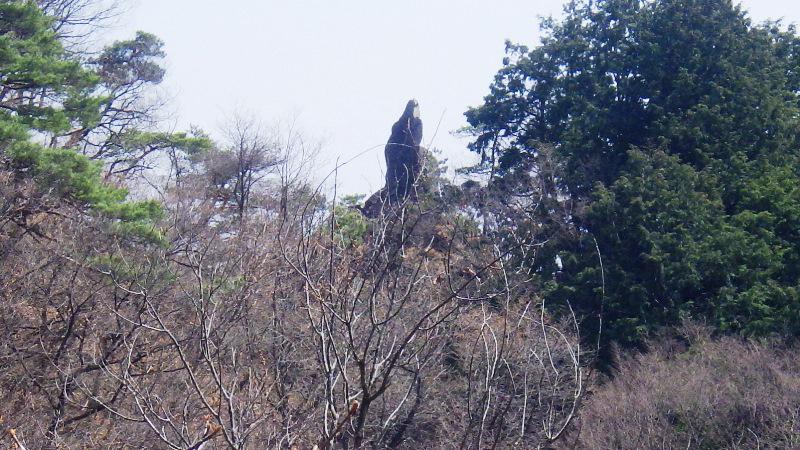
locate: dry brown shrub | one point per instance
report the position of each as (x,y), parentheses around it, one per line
(266,330)
(722,393)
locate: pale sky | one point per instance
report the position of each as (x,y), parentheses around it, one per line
(344,69)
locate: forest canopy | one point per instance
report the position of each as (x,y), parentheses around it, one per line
(630,237)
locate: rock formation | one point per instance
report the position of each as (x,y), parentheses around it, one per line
(403,162)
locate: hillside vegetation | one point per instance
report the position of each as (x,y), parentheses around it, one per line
(620,271)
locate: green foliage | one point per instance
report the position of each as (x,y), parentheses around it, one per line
(33,62)
(190,144)
(132,61)
(350,225)
(702,223)
(73,176)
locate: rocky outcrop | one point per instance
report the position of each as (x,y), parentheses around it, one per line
(404,160)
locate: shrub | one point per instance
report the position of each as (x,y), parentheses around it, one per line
(723,393)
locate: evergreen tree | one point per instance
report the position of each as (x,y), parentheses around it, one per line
(45,92)
(674,125)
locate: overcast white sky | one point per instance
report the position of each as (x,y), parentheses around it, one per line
(345,68)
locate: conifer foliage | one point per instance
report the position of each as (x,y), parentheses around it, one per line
(674,128)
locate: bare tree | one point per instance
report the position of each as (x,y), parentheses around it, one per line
(279,331)
(249,155)
(76,21)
